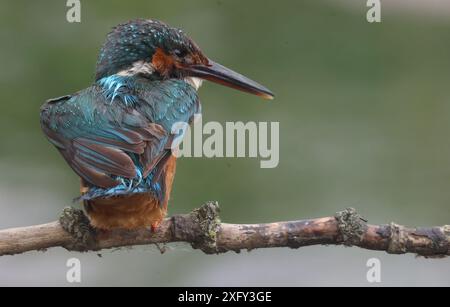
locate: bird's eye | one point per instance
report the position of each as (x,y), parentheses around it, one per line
(179,53)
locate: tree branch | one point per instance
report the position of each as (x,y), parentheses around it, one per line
(203,230)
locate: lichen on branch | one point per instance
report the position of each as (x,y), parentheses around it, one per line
(203,229)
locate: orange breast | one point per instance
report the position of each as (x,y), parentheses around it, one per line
(127,212)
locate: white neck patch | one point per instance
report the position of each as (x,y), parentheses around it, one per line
(195,82)
(139,67)
(145,68)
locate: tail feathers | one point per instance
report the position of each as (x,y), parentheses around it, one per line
(143,205)
(127,186)
(155,183)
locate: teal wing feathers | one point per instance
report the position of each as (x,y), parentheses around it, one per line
(108,141)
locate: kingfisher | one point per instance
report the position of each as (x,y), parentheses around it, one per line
(117,134)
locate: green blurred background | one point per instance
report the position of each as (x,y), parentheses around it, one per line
(364,120)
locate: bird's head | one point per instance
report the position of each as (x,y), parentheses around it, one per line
(157,51)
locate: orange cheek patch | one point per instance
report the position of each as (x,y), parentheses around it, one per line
(163,63)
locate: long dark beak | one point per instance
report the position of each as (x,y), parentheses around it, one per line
(220,74)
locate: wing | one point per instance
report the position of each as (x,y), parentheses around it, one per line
(103,142)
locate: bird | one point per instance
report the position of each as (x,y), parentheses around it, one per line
(116,134)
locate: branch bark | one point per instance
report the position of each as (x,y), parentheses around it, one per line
(203,229)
